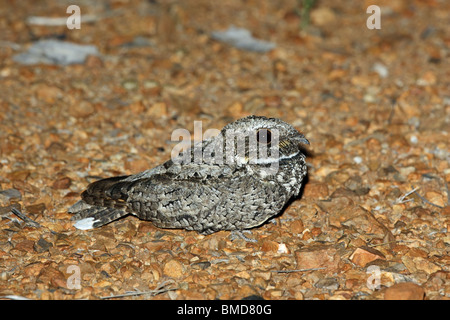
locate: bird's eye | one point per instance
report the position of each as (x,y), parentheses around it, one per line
(264,136)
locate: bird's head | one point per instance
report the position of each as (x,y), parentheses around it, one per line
(260,140)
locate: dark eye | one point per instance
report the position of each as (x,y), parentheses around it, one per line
(264,136)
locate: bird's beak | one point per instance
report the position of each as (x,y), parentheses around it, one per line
(303,140)
(285,144)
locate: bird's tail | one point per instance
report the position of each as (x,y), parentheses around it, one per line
(103,201)
(96,216)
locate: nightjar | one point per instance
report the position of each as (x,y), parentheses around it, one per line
(234,181)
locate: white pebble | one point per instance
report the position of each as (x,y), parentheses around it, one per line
(381,69)
(282,248)
(357,159)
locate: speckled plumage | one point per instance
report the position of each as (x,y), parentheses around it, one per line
(235,191)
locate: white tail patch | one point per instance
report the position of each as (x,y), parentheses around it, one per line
(85,224)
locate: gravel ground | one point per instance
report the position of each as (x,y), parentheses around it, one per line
(373,219)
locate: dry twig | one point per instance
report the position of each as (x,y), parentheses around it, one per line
(402,198)
(25,218)
(389,238)
(425,200)
(298,270)
(161,288)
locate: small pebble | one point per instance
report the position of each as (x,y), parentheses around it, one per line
(357,159)
(10,194)
(381,69)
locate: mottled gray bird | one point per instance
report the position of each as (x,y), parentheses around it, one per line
(234,181)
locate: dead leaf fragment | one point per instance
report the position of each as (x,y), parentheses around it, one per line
(62,183)
(52,276)
(404,291)
(364,255)
(414,264)
(269,246)
(317,257)
(174,269)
